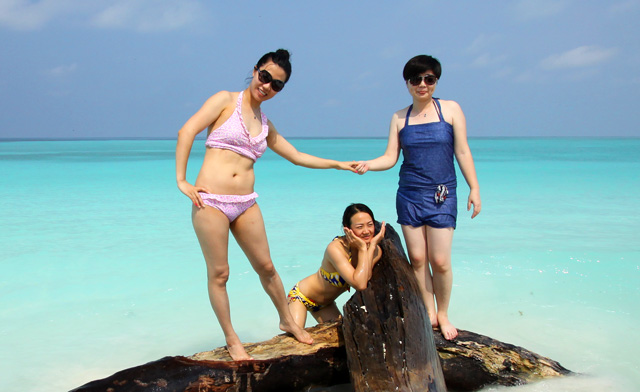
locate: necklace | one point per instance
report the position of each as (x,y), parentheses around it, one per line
(427,109)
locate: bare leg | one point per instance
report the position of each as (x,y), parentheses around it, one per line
(249,231)
(212,230)
(298,312)
(416,240)
(439,254)
(328,313)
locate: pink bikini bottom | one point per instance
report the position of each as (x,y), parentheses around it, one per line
(230,205)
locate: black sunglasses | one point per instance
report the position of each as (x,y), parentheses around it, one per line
(265,77)
(429,80)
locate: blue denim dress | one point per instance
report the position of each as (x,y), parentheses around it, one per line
(427,150)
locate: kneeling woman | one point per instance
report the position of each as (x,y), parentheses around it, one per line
(348,262)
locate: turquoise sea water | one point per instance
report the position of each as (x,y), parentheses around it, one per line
(101,269)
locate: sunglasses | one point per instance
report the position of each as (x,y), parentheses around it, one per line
(429,80)
(265,77)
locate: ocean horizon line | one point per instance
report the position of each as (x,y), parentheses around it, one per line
(64,139)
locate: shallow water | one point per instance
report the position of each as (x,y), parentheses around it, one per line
(102,271)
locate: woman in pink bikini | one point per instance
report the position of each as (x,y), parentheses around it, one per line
(223,197)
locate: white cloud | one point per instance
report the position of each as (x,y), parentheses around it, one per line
(536,9)
(583,56)
(503,73)
(32,15)
(525,77)
(391,52)
(148,16)
(481,42)
(624,7)
(138,15)
(62,70)
(488,60)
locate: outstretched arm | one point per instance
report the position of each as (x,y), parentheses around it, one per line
(282,147)
(391,154)
(464,157)
(357,277)
(204,117)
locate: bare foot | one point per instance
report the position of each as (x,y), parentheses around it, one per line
(434,320)
(238,352)
(448,330)
(300,334)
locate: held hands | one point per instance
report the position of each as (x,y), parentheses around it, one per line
(192,192)
(474,198)
(361,167)
(350,166)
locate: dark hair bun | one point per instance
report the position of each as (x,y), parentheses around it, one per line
(280,57)
(283,54)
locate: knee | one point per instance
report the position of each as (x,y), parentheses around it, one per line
(417,259)
(440,264)
(218,277)
(266,269)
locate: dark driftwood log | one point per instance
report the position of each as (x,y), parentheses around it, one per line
(387,332)
(469,363)
(282,364)
(473,361)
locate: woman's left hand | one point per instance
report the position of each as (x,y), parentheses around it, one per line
(474,198)
(376,240)
(362,167)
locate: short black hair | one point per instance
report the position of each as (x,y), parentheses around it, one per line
(421,64)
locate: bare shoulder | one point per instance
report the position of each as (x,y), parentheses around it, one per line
(451,111)
(398,118)
(337,246)
(223,98)
(401,114)
(450,105)
(335,252)
(218,103)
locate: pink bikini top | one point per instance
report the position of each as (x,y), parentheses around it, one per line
(233,135)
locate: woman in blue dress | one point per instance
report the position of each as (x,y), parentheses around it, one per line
(429,132)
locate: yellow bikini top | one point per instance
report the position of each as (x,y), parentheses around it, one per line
(334,278)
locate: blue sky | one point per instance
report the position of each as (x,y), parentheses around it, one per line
(85,69)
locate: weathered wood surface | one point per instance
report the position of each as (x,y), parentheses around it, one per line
(388,337)
(281,364)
